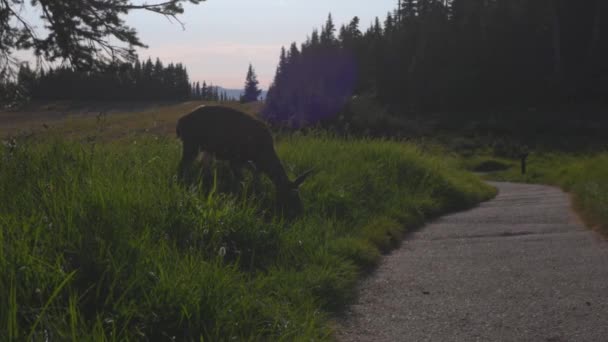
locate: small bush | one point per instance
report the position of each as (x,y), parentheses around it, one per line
(491,166)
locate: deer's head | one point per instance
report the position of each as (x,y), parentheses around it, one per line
(288,197)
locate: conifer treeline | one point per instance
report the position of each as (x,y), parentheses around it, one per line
(313,82)
(450,55)
(209,93)
(125,81)
(140,81)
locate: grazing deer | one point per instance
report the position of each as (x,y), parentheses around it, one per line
(238,138)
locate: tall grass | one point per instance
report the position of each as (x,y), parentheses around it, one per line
(585,176)
(100,242)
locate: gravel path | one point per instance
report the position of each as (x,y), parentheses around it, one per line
(518,268)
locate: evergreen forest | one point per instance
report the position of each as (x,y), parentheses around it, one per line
(137,81)
(448,56)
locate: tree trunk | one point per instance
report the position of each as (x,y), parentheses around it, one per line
(595,32)
(557,41)
(483,24)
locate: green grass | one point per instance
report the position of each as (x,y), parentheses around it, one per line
(98,241)
(585,176)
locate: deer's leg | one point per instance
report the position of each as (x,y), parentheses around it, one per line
(237,170)
(256,178)
(206,173)
(206,160)
(189,153)
(272,167)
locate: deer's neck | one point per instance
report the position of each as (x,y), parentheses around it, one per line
(275,171)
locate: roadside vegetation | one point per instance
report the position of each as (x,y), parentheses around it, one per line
(583,175)
(98,240)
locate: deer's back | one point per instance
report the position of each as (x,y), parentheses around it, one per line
(226,132)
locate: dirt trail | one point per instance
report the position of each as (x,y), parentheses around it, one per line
(518,268)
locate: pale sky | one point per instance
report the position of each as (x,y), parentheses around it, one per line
(222,37)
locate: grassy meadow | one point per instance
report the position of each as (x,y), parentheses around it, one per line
(99,241)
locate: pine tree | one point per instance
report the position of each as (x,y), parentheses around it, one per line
(251,91)
(26,79)
(314,39)
(353,28)
(137,75)
(197,91)
(328,32)
(294,54)
(210,92)
(407,10)
(282,65)
(216,94)
(205,92)
(350,34)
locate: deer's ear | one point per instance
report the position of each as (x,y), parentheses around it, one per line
(296,183)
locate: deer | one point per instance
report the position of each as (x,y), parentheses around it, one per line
(240,139)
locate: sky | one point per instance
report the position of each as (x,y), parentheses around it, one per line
(221,37)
